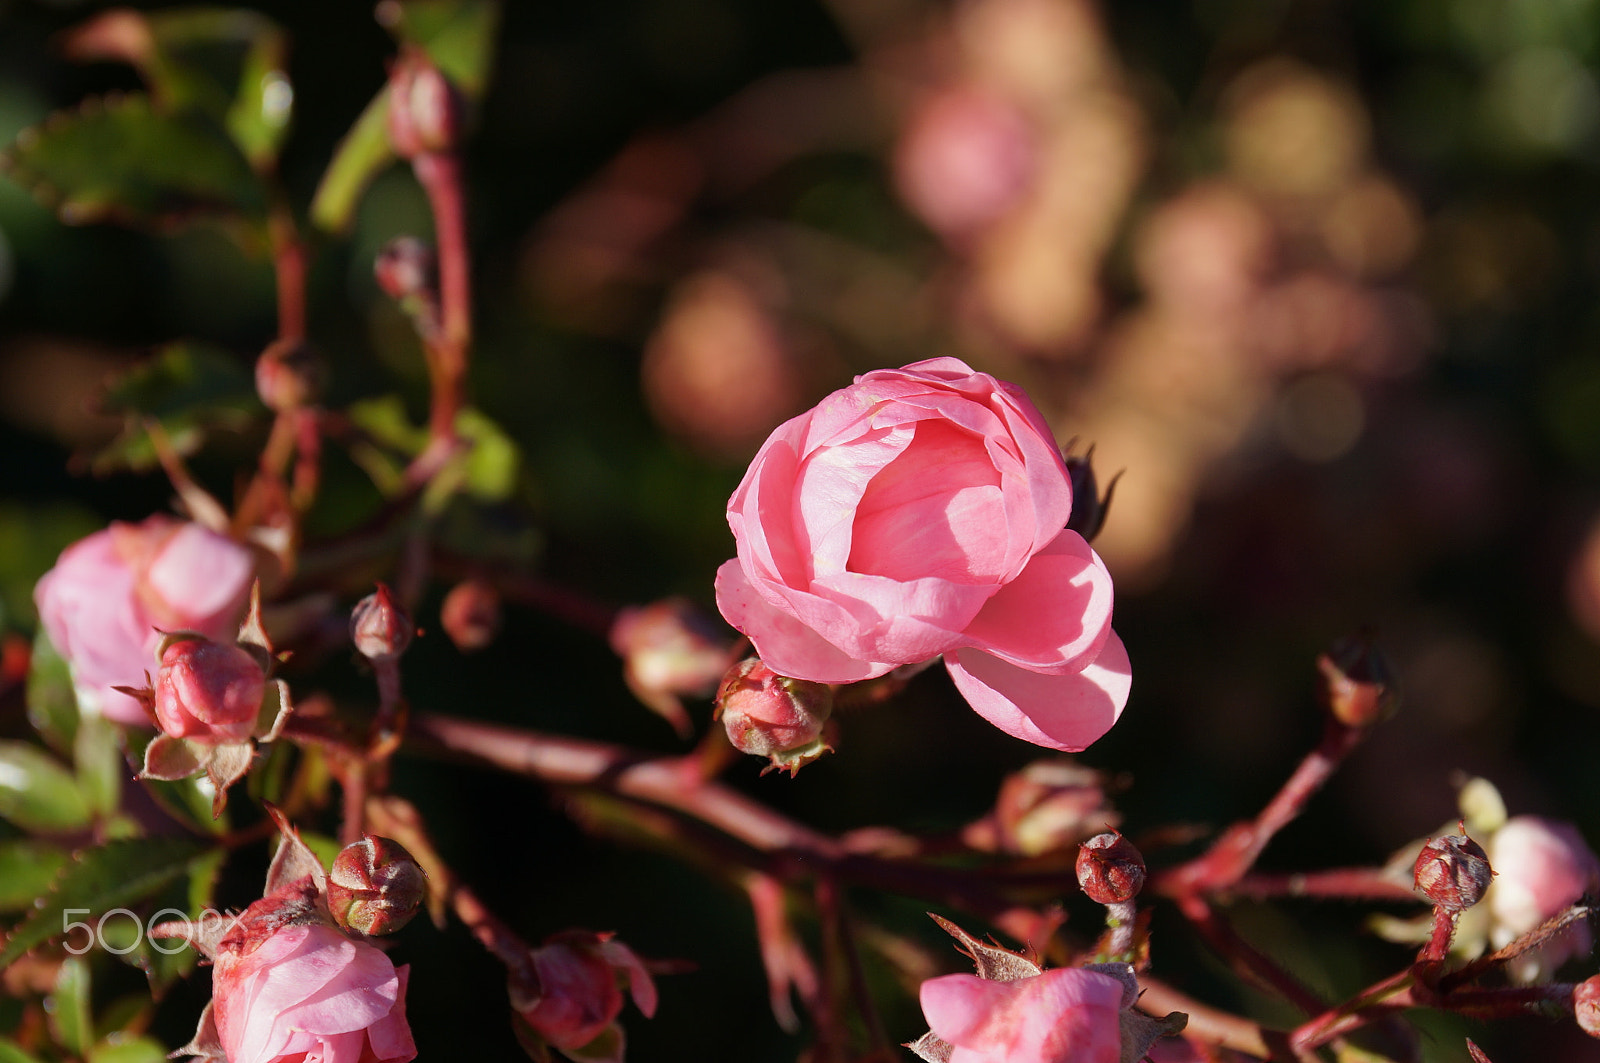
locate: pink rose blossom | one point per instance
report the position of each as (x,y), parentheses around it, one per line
(308,992)
(967,157)
(208,691)
(580,976)
(1065,1015)
(1541,867)
(110,594)
(921,512)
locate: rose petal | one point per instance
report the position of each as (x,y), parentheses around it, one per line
(1066,1015)
(203,579)
(788,646)
(1065,712)
(1056,613)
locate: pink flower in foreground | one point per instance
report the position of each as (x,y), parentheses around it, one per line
(104,601)
(1541,867)
(921,512)
(308,992)
(580,978)
(1065,1015)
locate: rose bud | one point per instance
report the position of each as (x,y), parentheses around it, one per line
(405,268)
(1110,869)
(1542,867)
(288,376)
(470,615)
(207,691)
(424,112)
(670,649)
(1089,507)
(1586,1005)
(1357,685)
(380,628)
(1454,872)
(580,977)
(1049,805)
(769,715)
(375,887)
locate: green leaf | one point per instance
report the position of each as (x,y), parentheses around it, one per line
(97,754)
(259,118)
(100,879)
(70,1017)
(191,389)
(37,793)
(128,1050)
(11,1052)
(52,702)
(486,470)
(121,159)
(27,867)
(360,157)
(458,36)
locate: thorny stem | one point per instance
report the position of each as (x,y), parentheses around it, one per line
(1121,920)
(1430,961)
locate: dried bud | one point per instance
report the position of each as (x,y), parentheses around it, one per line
(374,886)
(1089,507)
(1453,871)
(1110,869)
(470,615)
(770,715)
(424,111)
(207,691)
(405,268)
(288,376)
(1358,686)
(1586,1005)
(380,629)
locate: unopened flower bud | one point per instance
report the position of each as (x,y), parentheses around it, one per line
(405,268)
(1110,869)
(1050,805)
(424,111)
(770,715)
(1453,871)
(670,649)
(1089,507)
(375,887)
(207,691)
(470,615)
(379,627)
(288,376)
(1586,1005)
(1357,685)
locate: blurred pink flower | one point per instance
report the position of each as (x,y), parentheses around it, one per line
(920,512)
(110,594)
(208,691)
(1541,867)
(580,977)
(1066,1015)
(966,159)
(309,992)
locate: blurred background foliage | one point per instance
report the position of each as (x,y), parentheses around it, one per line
(1317,278)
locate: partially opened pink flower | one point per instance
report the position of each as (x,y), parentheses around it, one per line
(1541,867)
(306,993)
(108,594)
(580,977)
(921,512)
(1065,1015)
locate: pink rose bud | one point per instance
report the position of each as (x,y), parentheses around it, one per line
(1110,869)
(1453,871)
(1542,866)
(921,513)
(108,595)
(670,647)
(208,691)
(375,887)
(380,629)
(770,715)
(1358,686)
(1050,805)
(580,977)
(405,268)
(470,615)
(1065,1015)
(289,376)
(1586,1005)
(424,111)
(309,992)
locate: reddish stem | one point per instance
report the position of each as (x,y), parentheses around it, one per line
(1245,958)
(289,268)
(1343,883)
(440,176)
